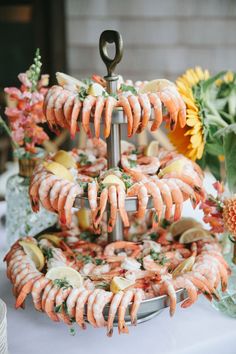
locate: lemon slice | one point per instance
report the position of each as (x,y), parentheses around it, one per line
(120,283)
(95,90)
(58,170)
(184,267)
(52,238)
(195,234)
(65,159)
(176,166)
(68,274)
(83,219)
(34,252)
(180,226)
(67,80)
(152,149)
(156,85)
(113,180)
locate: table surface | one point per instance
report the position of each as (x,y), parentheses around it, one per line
(199,329)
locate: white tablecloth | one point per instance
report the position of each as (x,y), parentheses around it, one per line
(196,330)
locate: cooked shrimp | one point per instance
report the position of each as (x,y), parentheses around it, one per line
(116,300)
(111,103)
(66,216)
(148,164)
(171,105)
(182,282)
(100,103)
(157,106)
(151,265)
(102,207)
(177,197)
(80,304)
(139,190)
(121,204)
(101,300)
(55,191)
(138,298)
(113,207)
(67,109)
(135,105)
(58,108)
(37,290)
(61,297)
(126,299)
(166,196)
(124,103)
(44,190)
(154,191)
(88,104)
(167,287)
(75,115)
(50,304)
(110,249)
(92,197)
(146,110)
(26,288)
(90,315)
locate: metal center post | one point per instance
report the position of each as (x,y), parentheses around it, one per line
(114,139)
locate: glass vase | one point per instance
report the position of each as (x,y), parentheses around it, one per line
(227,302)
(21,221)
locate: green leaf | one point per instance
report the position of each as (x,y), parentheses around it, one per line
(225,131)
(214,149)
(213,164)
(230,154)
(206,84)
(126,88)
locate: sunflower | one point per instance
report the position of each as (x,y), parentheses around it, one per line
(190,139)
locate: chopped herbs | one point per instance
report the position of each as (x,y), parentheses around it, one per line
(47,252)
(82,94)
(72,331)
(62,283)
(99,261)
(165,223)
(84,186)
(153,236)
(84,161)
(126,88)
(103,285)
(88,236)
(58,308)
(155,218)
(127,180)
(85,259)
(158,257)
(132,163)
(87,81)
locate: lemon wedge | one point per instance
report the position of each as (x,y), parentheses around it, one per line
(152,149)
(95,89)
(113,180)
(34,252)
(180,226)
(83,219)
(176,166)
(65,159)
(195,234)
(120,283)
(184,267)
(52,238)
(67,80)
(58,170)
(68,274)
(156,85)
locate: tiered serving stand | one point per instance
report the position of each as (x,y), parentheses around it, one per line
(151,307)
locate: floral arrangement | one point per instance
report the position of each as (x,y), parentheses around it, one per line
(210,133)
(26,113)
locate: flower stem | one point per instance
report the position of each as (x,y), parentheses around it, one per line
(7,130)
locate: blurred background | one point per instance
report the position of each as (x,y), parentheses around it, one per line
(161,40)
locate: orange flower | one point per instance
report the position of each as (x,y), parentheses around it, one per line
(229,214)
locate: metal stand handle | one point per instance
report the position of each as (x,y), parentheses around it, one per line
(113,141)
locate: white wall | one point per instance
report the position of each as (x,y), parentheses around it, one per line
(161,37)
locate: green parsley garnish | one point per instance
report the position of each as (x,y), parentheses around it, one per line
(82,94)
(62,283)
(126,88)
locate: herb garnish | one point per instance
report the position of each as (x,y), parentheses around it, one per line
(132,163)
(126,88)
(82,94)
(158,257)
(47,252)
(62,283)
(84,161)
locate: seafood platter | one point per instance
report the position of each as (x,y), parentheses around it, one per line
(123,251)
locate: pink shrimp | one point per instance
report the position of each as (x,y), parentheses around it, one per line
(101,300)
(67,212)
(80,304)
(90,315)
(100,103)
(55,191)
(116,300)
(61,296)
(37,290)
(138,298)
(177,198)
(113,207)
(111,103)
(121,205)
(126,299)
(124,103)
(139,190)
(157,199)
(44,190)
(182,282)
(71,301)
(26,288)
(49,113)
(172,106)
(157,106)
(75,115)
(92,197)
(167,287)
(135,105)
(88,104)
(146,110)
(102,206)
(50,304)
(58,108)
(67,109)
(166,196)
